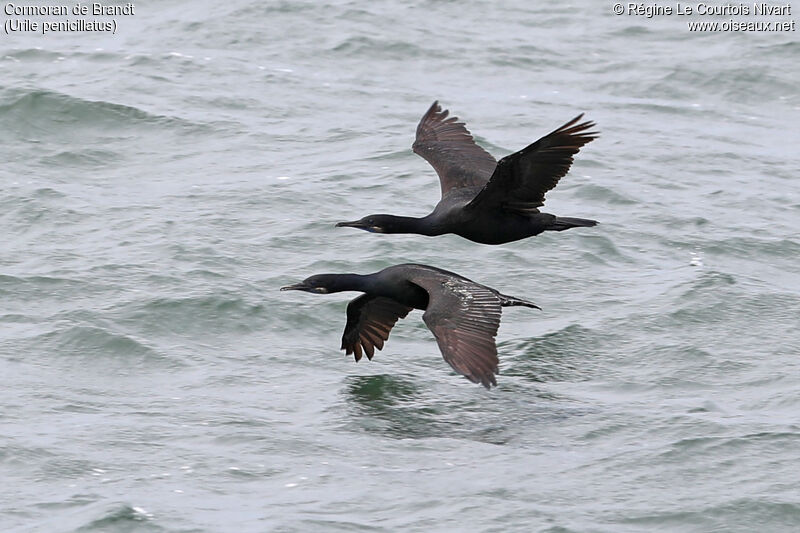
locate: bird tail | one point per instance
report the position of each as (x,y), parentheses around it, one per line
(562,223)
(511,301)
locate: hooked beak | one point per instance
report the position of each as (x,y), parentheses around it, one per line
(353,224)
(296,287)
(303,287)
(360,225)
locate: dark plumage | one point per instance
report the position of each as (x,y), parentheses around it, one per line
(463,315)
(484,200)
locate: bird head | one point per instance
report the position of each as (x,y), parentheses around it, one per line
(320,284)
(371,223)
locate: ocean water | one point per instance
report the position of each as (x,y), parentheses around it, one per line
(159,185)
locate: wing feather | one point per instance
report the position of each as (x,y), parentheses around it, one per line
(464,318)
(449,147)
(369,321)
(520,180)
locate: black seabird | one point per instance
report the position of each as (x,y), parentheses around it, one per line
(484,200)
(463,315)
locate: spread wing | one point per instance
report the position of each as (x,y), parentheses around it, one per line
(369,321)
(464,318)
(449,147)
(521,179)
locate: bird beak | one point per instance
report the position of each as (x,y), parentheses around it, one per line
(360,225)
(353,224)
(303,287)
(296,287)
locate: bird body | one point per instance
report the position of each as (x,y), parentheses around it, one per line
(463,315)
(483,200)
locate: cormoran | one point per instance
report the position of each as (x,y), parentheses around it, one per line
(484,200)
(463,315)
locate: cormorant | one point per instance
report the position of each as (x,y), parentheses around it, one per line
(463,315)
(484,200)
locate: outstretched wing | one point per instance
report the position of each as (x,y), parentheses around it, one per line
(449,147)
(521,179)
(464,318)
(369,321)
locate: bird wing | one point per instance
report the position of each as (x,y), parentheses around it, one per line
(369,321)
(449,147)
(521,179)
(464,318)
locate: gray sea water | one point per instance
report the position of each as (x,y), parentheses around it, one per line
(158,185)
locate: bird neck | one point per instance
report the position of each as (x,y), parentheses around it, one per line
(349,282)
(421,226)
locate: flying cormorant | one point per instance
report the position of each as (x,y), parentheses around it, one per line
(483,200)
(463,315)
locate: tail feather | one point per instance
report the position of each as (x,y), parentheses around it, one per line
(562,223)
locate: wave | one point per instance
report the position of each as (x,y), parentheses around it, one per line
(606,195)
(564,355)
(749,514)
(98,517)
(738,84)
(381,48)
(717,308)
(97,343)
(39,286)
(208,313)
(43,112)
(749,247)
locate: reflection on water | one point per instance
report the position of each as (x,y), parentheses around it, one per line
(399,407)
